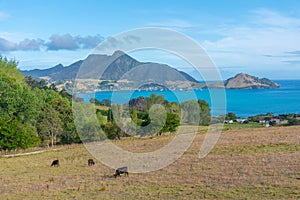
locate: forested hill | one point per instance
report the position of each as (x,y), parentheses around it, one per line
(32,113)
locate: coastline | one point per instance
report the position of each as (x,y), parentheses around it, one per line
(244,103)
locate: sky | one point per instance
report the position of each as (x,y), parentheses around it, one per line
(259,37)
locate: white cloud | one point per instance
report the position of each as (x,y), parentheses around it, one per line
(272,18)
(266,33)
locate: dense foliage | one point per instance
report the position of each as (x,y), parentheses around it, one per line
(153,116)
(31,112)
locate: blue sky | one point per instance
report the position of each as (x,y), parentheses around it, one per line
(261,38)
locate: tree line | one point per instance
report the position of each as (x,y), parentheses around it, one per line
(142,116)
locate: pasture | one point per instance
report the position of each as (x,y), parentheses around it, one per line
(250,163)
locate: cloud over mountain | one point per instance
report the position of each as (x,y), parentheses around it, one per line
(54,43)
(6,45)
(30,44)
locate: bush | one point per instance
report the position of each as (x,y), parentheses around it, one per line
(15,135)
(294,121)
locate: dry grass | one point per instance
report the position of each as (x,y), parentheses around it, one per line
(258,163)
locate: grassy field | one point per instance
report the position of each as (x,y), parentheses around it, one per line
(249,163)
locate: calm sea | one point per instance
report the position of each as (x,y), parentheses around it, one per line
(283,100)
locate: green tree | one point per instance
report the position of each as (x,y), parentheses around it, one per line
(15,135)
(113,131)
(155,99)
(91,132)
(87,122)
(110,117)
(231,116)
(204,111)
(100,117)
(105,102)
(190,112)
(134,115)
(50,126)
(155,122)
(293,121)
(9,68)
(95,101)
(173,107)
(172,123)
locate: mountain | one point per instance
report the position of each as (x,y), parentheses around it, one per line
(58,72)
(122,72)
(116,67)
(245,81)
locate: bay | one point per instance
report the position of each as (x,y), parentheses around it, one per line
(243,103)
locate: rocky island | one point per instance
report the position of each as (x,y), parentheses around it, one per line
(245,81)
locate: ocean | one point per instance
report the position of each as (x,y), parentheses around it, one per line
(243,103)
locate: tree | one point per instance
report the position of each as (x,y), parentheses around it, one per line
(87,122)
(156,120)
(110,117)
(112,131)
(190,112)
(172,122)
(254,118)
(16,115)
(65,94)
(50,126)
(155,99)
(42,84)
(293,121)
(95,101)
(15,135)
(69,134)
(133,115)
(204,112)
(100,117)
(173,107)
(91,132)
(9,68)
(231,116)
(105,102)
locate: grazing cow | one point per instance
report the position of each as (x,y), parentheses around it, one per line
(91,162)
(121,170)
(55,163)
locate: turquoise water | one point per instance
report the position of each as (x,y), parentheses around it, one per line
(285,99)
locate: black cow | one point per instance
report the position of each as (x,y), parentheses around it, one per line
(55,163)
(91,162)
(121,170)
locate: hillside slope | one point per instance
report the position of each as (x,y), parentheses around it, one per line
(245,81)
(112,67)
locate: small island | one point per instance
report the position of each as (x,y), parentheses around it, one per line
(245,81)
